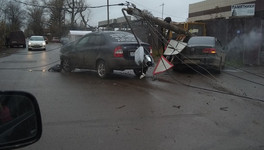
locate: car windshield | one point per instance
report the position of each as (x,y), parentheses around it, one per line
(36,38)
(201,41)
(192,79)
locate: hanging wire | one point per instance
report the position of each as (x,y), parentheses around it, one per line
(27,68)
(162,39)
(43,6)
(197,87)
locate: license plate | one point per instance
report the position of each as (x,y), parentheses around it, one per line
(132,53)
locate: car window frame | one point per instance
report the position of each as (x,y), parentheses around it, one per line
(78,46)
(95,41)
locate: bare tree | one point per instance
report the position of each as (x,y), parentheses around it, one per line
(15,15)
(2,10)
(57,16)
(36,19)
(85,17)
(75,8)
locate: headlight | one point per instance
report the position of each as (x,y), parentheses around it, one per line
(44,43)
(29,43)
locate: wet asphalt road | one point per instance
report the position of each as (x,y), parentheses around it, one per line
(81,111)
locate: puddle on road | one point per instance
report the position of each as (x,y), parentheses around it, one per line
(16,61)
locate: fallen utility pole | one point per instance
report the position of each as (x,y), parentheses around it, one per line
(137,12)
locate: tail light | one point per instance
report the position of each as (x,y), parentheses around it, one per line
(118,52)
(209,51)
(150,50)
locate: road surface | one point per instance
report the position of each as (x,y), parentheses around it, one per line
(174,110)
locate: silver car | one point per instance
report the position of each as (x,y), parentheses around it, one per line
(36,43)
(202,51)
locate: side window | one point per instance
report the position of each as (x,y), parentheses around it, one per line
(83,41)
(92,40)
(100,40)
(96,40)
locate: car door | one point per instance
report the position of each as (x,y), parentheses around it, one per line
(79,51)
(93,49)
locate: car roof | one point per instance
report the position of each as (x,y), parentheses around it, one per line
(109,32)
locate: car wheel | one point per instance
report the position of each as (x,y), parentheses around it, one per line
(66,65)
(24,46)
(138,71)
(102,70)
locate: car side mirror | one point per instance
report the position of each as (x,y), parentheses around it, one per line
(20,120)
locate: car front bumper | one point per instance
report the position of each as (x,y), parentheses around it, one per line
(36,47)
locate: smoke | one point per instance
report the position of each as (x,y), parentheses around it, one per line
(244,48)
(247,41)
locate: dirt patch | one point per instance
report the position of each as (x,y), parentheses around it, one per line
(7,51)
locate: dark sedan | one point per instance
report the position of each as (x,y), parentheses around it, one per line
(104,51)
(202,51)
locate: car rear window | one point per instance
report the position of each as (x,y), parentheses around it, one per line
(122,37)
(201,41)
(36,38)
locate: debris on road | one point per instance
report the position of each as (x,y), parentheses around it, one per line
(175,106)
(121,107)
(224,108)
(56,68)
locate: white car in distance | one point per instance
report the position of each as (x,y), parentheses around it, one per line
(36,43)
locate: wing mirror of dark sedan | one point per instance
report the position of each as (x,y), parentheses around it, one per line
(20,120)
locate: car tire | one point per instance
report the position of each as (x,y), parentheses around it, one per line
(138,71)
(24,46)
(66,65)
(102,69)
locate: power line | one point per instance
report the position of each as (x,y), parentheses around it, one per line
(244,70)
(201,88)
(161,40)
(154,10)
(27,68)
(45,6)
(36,52)
(244,79)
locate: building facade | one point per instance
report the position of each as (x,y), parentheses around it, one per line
(239,24)
(213,9)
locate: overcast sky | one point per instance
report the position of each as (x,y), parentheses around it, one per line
(176,9)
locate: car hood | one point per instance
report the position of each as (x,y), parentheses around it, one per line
(36,42)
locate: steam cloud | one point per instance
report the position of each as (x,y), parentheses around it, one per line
(246,41)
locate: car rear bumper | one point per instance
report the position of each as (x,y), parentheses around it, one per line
(209,62)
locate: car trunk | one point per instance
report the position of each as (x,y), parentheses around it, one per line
(129,50)
(195,51)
